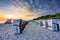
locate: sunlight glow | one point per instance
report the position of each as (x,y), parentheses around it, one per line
(9,17)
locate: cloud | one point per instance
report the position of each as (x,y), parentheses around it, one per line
(34,8)
(29,9)
(19,13)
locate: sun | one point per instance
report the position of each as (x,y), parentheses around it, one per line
(9,17)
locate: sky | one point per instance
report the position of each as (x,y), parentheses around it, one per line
(28,9)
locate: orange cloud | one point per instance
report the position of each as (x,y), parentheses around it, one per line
(18,13)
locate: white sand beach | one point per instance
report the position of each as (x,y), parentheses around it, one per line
(32,31)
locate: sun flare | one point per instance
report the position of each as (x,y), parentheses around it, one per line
(9,17)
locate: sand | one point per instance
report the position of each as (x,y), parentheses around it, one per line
(32,31)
